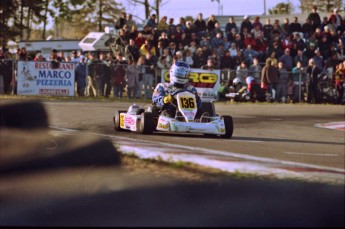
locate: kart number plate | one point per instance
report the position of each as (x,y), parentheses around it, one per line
(187,102)
(122,120)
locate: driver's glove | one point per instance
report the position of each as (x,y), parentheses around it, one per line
(168,99)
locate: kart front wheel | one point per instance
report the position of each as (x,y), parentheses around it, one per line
(146,123)
(229,126)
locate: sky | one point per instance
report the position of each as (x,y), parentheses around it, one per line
(182,8)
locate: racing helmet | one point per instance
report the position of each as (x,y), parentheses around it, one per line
(133,109)
(179,73)
(249,80)
(236,81)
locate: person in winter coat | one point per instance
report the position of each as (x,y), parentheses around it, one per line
(132,78)
(269,78)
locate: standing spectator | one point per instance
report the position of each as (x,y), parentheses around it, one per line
(80,75)
(295,26)
(267,28)
(301,58)
(178,32)
(118,78)
(6,72)
(233,50)
(307,28)
(132,51)
(141,71)
(108,68)
(256,31)
(171,27)
(75,57)
(249,54)
(339,83)
(132,78)
(162,24)
(257,23)
(287,60)
(198,58)
(104,72)
(140,40)
(188,57)
(230,25)
(205,41)
(147,48)
(133,34)
(314,18)
(261,47)
(283,80)
(238,59)
(189,30)
(150,62)
(335,19)
(310,51)
(61,56)
(54,61)
(226,60)
(209,65)
(182,22)
(39,57)
(238,41)
(163,38)
(246,23)
(272,58)
(269,79)
(130,23)
(286,27)
(23,54)
(249,40)
(172,49)
(242,72)
(151,21)
(121,21)
(210,24)
(318,59)
(161,65)
(217,40)
(255,69)
(324,23)
(299,77)
(216,30)
(93,73)
(200,25)
(312,82)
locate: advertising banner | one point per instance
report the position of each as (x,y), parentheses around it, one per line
(38,78)
(205,81)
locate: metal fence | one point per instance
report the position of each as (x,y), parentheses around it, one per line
(8,69)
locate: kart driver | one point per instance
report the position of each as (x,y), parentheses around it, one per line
(179,79)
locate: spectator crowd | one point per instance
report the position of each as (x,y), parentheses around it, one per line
(278,55)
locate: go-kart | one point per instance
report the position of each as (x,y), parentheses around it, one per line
(188,118)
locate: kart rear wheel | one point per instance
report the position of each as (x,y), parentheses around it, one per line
(229,126)
(116,120)
(146,123)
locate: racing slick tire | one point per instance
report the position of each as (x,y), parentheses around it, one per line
(116,121)
(146,123)
(229,126)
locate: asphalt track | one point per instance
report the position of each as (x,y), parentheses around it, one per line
(266,137)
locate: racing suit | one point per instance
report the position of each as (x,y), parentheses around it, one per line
(164,89)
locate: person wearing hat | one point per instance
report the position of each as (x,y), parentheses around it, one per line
(246,23)
(335,19)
